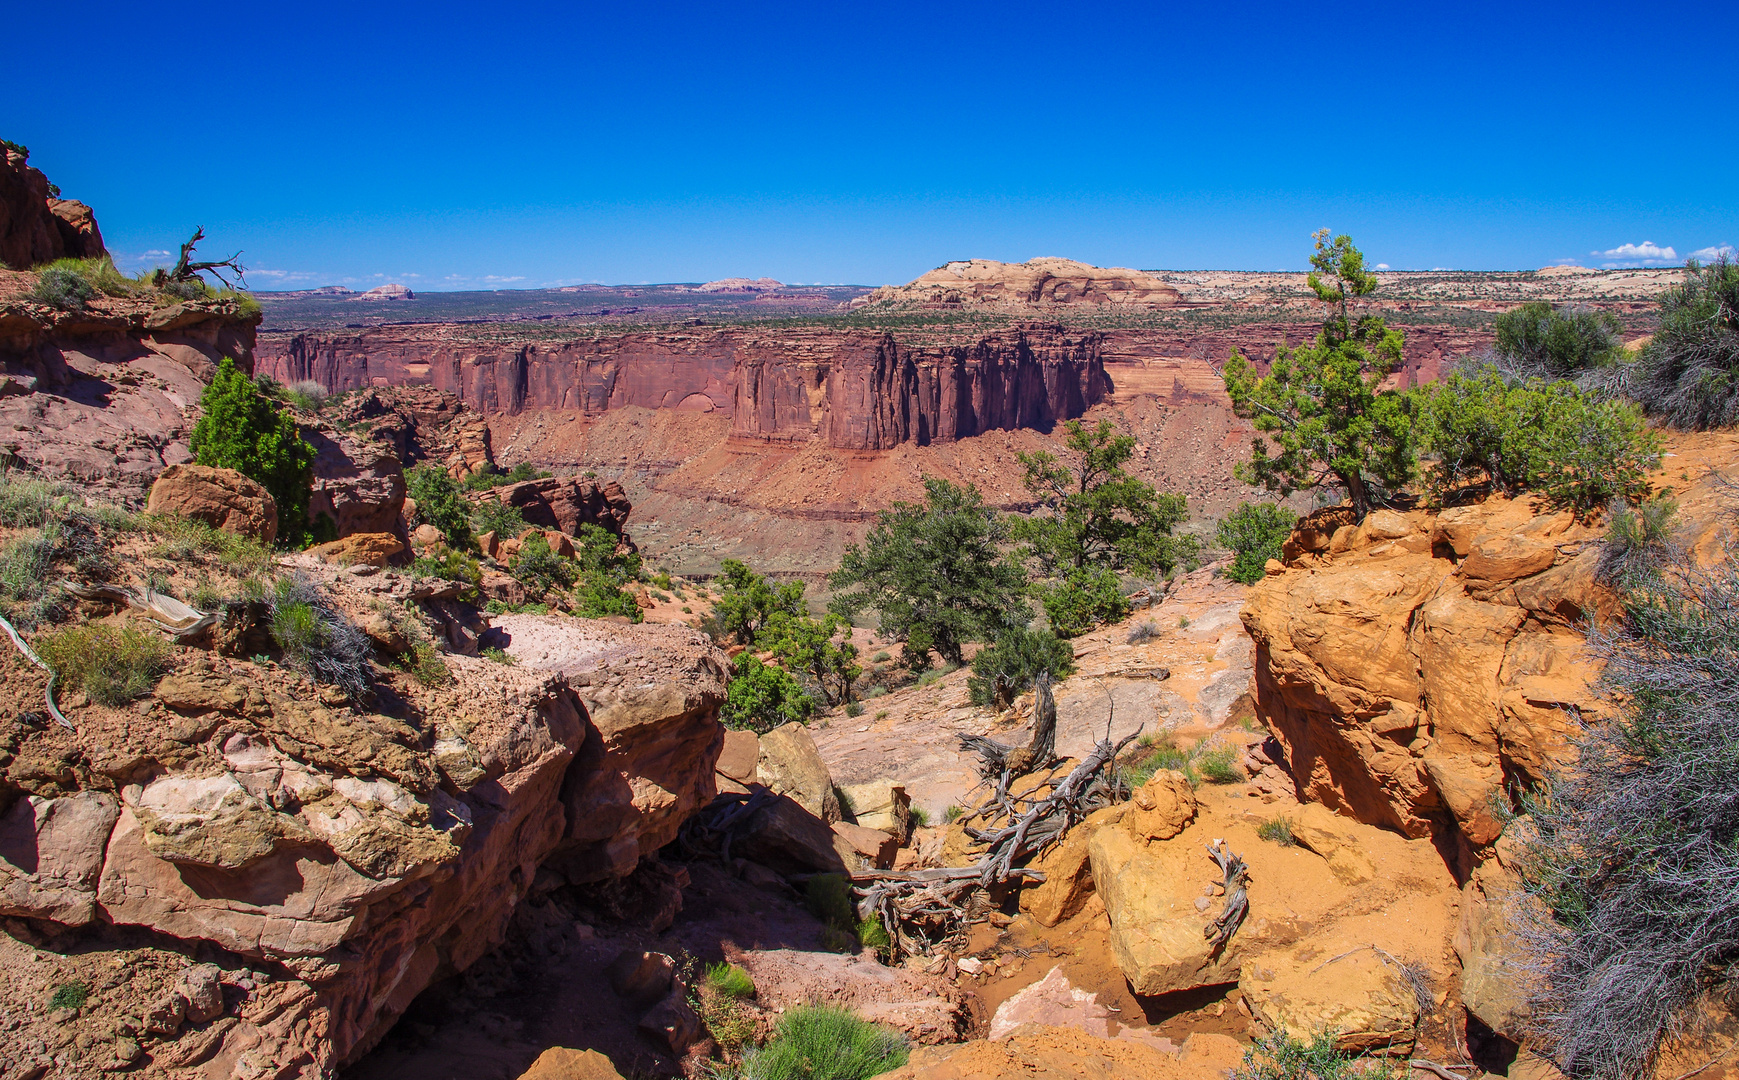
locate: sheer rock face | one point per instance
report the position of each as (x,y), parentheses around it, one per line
(853,390)
(1414,664)
(37,226)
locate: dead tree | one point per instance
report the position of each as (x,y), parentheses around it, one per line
(1237,879)
(185,270)
(1000,760)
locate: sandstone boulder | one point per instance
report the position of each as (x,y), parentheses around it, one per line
(561,1063)
(202,987)
(1038,1052)
(880,804)
(1068,870)
(564,503)
(790,765)
(1494,967)
(639,976)
(1053,1002)
(1332,985)
(672,1023)
(221,498)
(873,846)
(740,753)
(788,838)
(927,1009)
(1162,807)
(51,851)
(503,587)
(426,535)
(361,549)
(358,485)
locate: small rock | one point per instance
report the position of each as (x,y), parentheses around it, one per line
(969,964)
(641,976)
(165,1015)
(62,1016)
(126,1052)
(673,1023)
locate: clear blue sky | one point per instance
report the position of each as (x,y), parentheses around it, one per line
(507,145)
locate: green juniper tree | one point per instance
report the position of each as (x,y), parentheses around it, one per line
(1321,404)
(239,428)
(935,573)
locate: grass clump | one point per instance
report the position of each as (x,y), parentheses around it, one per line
(305,396)
(1216,766)
(69,995)
(1277,830)
(317,640)
(63,288)
(919,817)
(874,936)
(498,655)
(1143,633)
(426,665)
(182,539)
(113,666)
(820,1042)
(729,979)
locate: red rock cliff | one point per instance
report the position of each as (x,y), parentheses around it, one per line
(852,390)
(37,226)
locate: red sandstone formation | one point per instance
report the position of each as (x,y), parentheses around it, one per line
(852,390)
(37,226)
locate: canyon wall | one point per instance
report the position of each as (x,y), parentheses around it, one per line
(845,389)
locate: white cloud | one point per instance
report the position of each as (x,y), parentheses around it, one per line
(1382,266)
(1647,253)
(1710,254)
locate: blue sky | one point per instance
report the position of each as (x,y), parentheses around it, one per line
(519,146)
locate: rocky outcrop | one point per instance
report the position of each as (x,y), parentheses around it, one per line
(566,503)
(359,485)
(418,423)
(1037,283)
(221,498)
(1416,664)
(36,225)
(332,861)
(853,390)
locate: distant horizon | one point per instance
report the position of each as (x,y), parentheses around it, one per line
(472,150)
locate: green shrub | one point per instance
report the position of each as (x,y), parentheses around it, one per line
(240,428)
(62,288)
(872,935)
(1540,340)
(1007,669)
(1082,600)
(26,565)
(539,569)
(820,1042)
(182,539)
(1554,438)
(854,709)
(919,817)
(1254,533)
(880,657)
(747,600)
(729,1021)
(426,665)
(448,564)
(307,395)
(500,656)
(99,273)
(489,476)
(499,518)
(69,995)
(440,502)
(762,697)
(1281,1057)
(1276,830)
(317,640)
(597,550)
(953,814)
(112,666)
(1691,367)
(727,978)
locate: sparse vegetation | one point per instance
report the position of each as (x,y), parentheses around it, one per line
(1217,766)
(1142,633)
(1538,339)
(488,476)
(1278,1056)
(316,639)
(821,1042)
(1629,852)
(730,979)
(1276,830)
(69,995)
(426,665)
(183,539)
(448,564)
(307,395)
(63,288)
(1007,668)
(541,570)
(498,655)
(1254,533)
(113,666)
(492,515)
(240,428)
(952,814)
(1691,367)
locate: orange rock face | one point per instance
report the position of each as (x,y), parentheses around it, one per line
(222,498)
(1415,664)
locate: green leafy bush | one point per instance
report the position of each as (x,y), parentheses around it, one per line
(63,288)
(539,569)
(240,428)
(1538,339)
(1007,668)
(761,697)
(820,1042)
(489,476)
(1691,366)
(747,600)
(598,597)
(494,516)
(1082,600)
(1254,533)
(113,666)
(440,502)
(1579,451)
(448,564)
